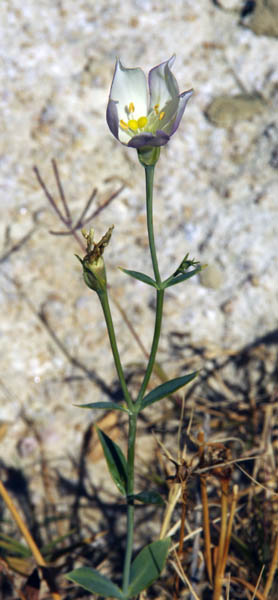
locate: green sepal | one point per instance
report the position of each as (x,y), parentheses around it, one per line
(167,388)
(147,566)
(151,497)
(105,405)
(116,461)
(95,582)
(140,277)
(148,155)
(174,279)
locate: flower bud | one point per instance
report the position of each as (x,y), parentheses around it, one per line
(94,273)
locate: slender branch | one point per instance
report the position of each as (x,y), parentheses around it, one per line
(149,174)
(156,335)
(204,496)
(229,528)
(220,551)
(81,221)
(61,190)
(104,204)
(207,540)
(50,197)
(111,332)
(272,569)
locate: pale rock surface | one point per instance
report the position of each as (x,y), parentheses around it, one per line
(216,192)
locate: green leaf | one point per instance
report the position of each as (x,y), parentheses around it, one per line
(166,389)
(140,276)
(106,405)
(92,580)
(52,548)
(13,547)
(116,461)
(179,278)
(151,497)
(147,566)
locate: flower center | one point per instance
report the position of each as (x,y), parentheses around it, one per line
(137,126)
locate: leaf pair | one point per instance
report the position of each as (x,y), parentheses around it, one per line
(177,277)
(163,390)
(145,569)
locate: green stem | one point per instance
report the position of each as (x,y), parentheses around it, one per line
(156,336)
(149,173)
(130,504)
(110,328)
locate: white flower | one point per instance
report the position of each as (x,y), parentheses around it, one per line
(140,117)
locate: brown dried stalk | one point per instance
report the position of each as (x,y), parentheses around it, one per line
(26,534)
(220,567)
(272,569)
(206,524)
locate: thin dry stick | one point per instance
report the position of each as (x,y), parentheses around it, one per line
(229,528)
(228,586)
(206,524)
(272,568)
(61,189)
(258,583)
(258,483)
(173,498)
(207,539)
(249,587)
(180,548)
(222,537)
(180,572)
(25,532)
(180,429)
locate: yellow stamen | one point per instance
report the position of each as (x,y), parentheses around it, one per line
(133,124)
(156,108)
(161,115)
(142,122)
(123,124)
(131,108)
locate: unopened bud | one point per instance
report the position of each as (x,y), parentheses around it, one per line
(94,275)
(93,264)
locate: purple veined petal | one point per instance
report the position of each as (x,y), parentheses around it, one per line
(148,139)
(129,86)
(162,84)
(183,99)
(112,118)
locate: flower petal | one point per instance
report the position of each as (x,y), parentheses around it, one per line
(129,86)
(170,110)
(183,99)
(148,139)
(162,84)
(112,118)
